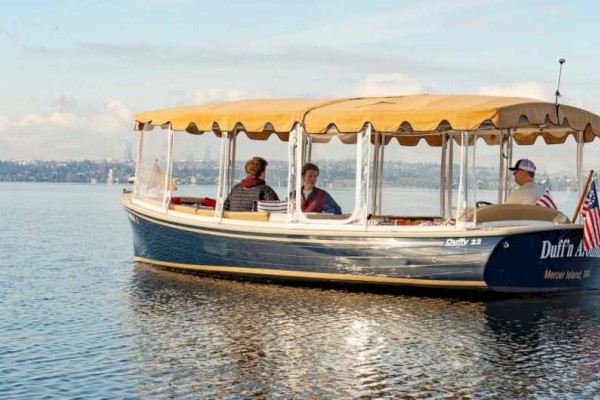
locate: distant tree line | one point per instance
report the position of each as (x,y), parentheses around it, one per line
(64,171)
(333,173)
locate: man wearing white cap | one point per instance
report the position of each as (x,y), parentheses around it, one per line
(528,191)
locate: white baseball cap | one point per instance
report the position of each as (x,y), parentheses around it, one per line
(524,165)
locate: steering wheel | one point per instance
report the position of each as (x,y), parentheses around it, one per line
(480,204)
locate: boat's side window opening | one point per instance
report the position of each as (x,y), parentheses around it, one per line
(410,181)
(273,150)
(343,163)
(195,169)
(336,162)
(151,174)
(556,169)
(467,181)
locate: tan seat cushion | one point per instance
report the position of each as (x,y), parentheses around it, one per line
(512,212)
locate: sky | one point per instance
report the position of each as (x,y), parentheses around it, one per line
(73,73)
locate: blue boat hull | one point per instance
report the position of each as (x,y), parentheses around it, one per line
(512,263)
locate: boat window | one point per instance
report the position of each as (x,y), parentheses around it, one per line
(337,172)
(195,169)
(274,151)
(151,173)
(557,169)
(411,180)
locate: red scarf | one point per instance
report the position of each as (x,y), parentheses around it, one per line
(251,181)
(315,201)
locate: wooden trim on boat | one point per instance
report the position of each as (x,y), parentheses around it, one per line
(205,212)
(315,275)
(210,212)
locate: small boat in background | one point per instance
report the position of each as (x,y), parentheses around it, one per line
(499,247)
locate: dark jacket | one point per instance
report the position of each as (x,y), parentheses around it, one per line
(245,193)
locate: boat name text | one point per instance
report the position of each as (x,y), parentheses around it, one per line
(565,249)
(463,242)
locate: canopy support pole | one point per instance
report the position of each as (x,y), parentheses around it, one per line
(380,174)
(223,175)
(500,169)
(450,173)
(509,163)
(169,174)
(503,158)
(232,159)
(580,143)
(474,172)
(465,181)
(300,148)
(294,201)
(138,164)
(443,180)
(308,149)
(375,173)
(363,174)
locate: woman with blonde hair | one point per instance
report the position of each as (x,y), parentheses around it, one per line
(251,188)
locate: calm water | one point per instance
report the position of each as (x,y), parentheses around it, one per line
(80,320)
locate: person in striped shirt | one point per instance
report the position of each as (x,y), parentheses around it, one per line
(252,188)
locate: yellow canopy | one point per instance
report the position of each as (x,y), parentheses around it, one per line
(409,118)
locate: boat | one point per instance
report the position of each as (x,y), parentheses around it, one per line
(503,248)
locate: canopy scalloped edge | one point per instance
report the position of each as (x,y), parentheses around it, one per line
(417,116)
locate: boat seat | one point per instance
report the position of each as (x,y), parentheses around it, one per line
(247,215)
(514,212)
(210,212)
(188,209)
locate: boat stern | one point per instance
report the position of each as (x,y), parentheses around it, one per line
(543,261)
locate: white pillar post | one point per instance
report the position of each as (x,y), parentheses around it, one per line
(138,164)
(443,176)
(223,175)
(169,174)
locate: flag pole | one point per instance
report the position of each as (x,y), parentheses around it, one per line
(582,195)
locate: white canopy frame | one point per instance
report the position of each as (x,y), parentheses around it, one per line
(468,180)
(225,172)
(169,174)
(138,164)
(297,150)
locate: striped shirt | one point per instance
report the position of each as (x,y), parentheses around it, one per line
(242,199)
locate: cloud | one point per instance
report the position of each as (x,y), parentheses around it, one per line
(66,103)
(52,120)
(7,33)
(393,23)
(29,120)
(59,118)
(389,85)
(5,123)
(529,89)
(96,133)
(215,95)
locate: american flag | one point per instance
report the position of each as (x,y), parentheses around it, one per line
(591,225)
(546,200)
(585,206)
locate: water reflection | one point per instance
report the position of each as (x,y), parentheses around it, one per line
(219,338)
(544,345)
